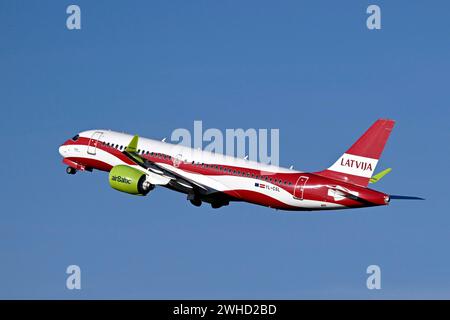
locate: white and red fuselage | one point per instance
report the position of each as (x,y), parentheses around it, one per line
(219,179)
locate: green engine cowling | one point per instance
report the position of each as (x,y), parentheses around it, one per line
(130,180)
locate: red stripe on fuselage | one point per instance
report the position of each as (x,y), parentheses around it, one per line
(345,177)
(316,188)
(196,168)
(113,151)
(259,198)
(91,163)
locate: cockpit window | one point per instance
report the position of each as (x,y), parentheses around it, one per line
(75,138)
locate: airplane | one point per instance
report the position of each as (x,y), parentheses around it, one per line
(137,165)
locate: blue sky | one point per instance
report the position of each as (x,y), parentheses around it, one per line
(310,68)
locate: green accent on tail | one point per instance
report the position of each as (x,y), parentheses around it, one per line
(132,147)
(380,175)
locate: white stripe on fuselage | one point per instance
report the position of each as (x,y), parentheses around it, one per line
(355,165)
(187,153)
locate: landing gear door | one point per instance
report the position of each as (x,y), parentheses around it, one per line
(299,188)
(92,146)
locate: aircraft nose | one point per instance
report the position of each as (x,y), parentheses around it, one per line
(63,150)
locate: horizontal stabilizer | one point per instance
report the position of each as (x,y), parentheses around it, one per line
(377,177)
(397,197)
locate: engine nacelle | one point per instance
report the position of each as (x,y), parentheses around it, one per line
(130,180)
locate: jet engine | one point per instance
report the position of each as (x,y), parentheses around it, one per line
(129,180)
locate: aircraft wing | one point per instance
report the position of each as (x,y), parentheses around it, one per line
(160,174)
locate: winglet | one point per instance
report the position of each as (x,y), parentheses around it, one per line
(379,175)
(133,144)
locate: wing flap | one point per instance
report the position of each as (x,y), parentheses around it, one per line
(157,173)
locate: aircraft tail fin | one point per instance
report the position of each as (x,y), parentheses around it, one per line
(358,163)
